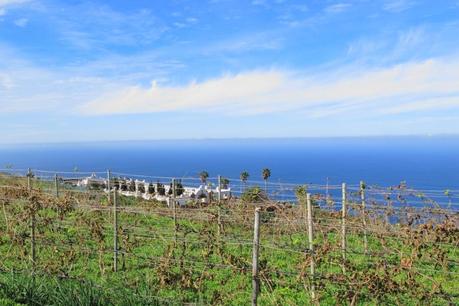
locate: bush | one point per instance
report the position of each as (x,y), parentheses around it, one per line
(254,195)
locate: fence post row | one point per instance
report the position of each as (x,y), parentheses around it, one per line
(311,245)
(255,253)
(343,225)
(364,217)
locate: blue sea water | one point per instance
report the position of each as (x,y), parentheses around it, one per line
(424,162)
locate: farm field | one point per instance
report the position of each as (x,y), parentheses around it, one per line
(61,250)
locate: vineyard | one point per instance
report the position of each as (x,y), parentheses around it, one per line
(343,244)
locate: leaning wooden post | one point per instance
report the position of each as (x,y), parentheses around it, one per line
(255,253)
(364,217)
(311,245)
(56,185)
(115,231)
(109,176)
(343,225)
(174,207)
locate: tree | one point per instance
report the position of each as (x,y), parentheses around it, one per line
(225,182)
(151,188)
(266,173)
(254,195)
(300,193)
(179,189)
(116,183)
(204,175)
(244,177)
(132,186)
(142,188)
(123,185)
(160,189)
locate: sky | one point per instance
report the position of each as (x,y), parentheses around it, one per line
(174,69)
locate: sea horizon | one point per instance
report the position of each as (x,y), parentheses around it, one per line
(421,161)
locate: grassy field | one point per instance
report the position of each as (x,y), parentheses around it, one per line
(205,255)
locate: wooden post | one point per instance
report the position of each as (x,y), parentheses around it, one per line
(219,213)
(29,179)
(115,231)
(174,207)
(32,234)
(56,185)
(311,246)
(364,217)
(343,225)
(32,221)
(305,205)
(109,174)
(255,253)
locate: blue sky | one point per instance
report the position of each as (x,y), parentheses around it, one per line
(120,70)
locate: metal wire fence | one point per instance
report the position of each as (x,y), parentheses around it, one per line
(359,233)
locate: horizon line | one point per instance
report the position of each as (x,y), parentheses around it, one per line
(443,135)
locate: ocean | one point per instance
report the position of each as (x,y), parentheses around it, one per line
(423,162)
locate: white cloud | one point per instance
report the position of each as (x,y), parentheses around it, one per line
(437,104)
(337,8)
(322,94)
(21,22)
(92,26)
(398,6)
(4,3)
(28,87)
(10,3)
(252,42)
(5,81)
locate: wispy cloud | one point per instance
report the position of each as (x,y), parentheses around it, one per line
(89,26)
(324,93)
(62,88)
(4,3)
(337,8)
(247,42)
(437,104)
(321,17)
(5,81)
(397,6)
(21,22)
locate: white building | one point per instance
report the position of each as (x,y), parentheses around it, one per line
(203,193)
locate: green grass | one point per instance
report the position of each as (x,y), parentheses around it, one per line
(75,260)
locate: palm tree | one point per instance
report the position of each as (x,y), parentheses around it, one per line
(244,177)
(266,173)
(203,176)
